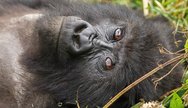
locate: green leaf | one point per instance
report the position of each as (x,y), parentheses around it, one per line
(186,46)
(138,105)
(122,2)
(176,101)
(185,77)
(166,101)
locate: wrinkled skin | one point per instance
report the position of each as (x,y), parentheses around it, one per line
(79,52)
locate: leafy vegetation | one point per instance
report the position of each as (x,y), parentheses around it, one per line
(176,11)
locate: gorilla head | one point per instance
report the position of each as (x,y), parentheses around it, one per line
(85,53)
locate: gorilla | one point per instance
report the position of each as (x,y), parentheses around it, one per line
(64,54)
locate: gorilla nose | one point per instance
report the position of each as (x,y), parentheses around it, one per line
(85,38)
(77,33)
(82,37)
(79,36)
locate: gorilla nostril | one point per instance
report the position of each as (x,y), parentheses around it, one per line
(80,28)
(76,40)
(80,32)
(92,37)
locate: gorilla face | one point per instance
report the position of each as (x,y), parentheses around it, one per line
(104,59)
(90,59)
(100,63)
(90,62)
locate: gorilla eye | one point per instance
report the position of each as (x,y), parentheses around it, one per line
(117,34)
(109,63)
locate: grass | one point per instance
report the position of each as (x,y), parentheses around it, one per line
(176,11)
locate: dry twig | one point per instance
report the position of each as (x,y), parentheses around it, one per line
(159,79)
(144,77)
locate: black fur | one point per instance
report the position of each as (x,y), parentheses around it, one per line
(52,75)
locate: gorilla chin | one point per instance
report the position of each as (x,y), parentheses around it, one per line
(56,54)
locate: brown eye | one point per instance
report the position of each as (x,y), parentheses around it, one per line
(117,34)
(108,63)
